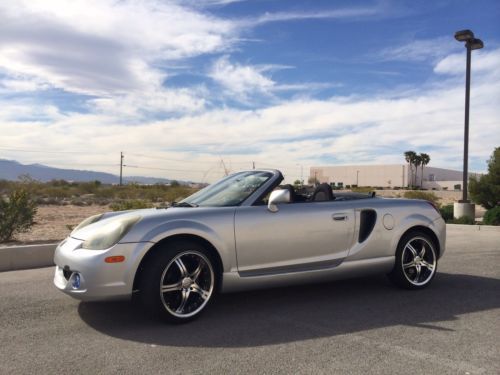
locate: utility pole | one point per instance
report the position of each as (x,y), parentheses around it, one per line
(301,173)
(121,167)
(226,171)
(253,164)
(357,178)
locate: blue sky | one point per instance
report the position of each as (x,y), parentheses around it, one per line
(179,85)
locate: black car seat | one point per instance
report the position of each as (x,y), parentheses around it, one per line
(290,188)
(323,193)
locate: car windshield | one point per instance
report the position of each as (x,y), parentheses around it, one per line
(230,191)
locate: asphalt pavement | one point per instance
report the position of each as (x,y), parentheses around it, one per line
(363,326)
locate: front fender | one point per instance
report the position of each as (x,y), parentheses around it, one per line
(222,242)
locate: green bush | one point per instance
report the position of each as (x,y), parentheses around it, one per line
(17,214)
(447,212)
(486,190)
(492,216)
(463,220)
(415,194)
(133,204)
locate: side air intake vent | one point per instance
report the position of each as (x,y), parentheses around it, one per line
(367,222)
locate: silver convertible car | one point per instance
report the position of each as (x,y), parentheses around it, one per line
(245,232)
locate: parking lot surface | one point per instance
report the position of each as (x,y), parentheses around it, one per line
(354,326)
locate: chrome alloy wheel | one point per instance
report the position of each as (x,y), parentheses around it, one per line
(419,261)
(186,284)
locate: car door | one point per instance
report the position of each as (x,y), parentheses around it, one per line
(298,237)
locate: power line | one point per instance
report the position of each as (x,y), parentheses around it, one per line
(51,152)
(177,160)
(189,161)
(165,169)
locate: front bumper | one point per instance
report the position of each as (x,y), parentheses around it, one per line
(98,280)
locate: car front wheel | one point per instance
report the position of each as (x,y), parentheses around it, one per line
(178,283)
(416,261)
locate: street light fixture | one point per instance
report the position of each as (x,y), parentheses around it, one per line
(471,43)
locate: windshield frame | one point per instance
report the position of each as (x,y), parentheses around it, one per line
(275,178)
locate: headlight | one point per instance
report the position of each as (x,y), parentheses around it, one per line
(87,221)
(109,234)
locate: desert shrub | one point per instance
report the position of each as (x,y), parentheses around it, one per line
(447,212)
(462,220)
(492,216)
(133,204)
(415,194)
(59,192)
(17,214)
(80,202)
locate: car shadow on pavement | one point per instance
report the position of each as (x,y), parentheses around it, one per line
(302,312)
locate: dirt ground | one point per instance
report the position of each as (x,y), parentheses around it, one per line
(54,223)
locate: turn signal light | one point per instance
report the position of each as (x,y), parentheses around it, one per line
(114,259)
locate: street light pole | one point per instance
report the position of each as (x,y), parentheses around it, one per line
(471,43)
(466,125)
(464,208)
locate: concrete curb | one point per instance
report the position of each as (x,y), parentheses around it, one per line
(466,227)
(26,256)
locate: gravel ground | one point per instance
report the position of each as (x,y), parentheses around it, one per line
(356,327)
(53,223)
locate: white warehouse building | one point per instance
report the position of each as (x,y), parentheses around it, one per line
(388,175)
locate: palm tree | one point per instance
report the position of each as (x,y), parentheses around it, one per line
(425,159)
(417,161)
(410,159)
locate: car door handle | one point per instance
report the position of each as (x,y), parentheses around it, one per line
(340,217)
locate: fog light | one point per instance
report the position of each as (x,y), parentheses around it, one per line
(75,280)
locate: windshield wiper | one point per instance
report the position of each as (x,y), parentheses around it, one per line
(183,204)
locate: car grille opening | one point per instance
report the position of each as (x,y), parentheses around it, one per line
(67,273)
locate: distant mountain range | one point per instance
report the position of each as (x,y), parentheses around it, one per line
(11,170)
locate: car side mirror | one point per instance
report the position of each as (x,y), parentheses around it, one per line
(278,196)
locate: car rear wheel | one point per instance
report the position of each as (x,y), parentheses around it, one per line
(178,283)
(416,261)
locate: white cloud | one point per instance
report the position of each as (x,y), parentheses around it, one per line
(481,62)
(346,129)
(240,79)
(420,50)
(102,47)
(244,81)
(117,51)
(340,13)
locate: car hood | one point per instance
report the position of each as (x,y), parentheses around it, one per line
(148,217)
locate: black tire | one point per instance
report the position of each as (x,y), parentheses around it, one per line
(168,270)
(414,269)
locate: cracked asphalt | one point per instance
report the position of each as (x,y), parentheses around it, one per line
(354,326)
